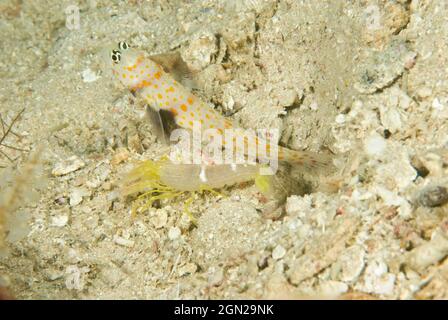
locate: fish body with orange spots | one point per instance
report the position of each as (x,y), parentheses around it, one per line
(161,91)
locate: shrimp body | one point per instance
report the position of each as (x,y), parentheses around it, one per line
(162,180)
(161,91)
(188,177)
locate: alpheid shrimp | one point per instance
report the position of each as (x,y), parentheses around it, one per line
(160,180)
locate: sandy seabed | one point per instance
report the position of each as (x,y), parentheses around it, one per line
(365,80)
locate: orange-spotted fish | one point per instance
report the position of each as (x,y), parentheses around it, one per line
(147,78)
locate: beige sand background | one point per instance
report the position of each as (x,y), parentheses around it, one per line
(367,80)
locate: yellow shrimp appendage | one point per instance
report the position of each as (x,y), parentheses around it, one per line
(264,184)
(145,180)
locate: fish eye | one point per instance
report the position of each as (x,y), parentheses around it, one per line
(123,45)
(115,56)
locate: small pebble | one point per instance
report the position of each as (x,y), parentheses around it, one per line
(263,262)
(67,166)
(433,196)
(279,252)
(59,221)
(160,219)
(89,76)
(107,186)
(436,105)
(215,276)
(229,103)
(61,200)
(332,289)
(357,104)
(377,279)
(428,253)
(75,199)
(340,118)
(187,269)
(424,92)
(77,195)
(351,263)
(112,196)
(375,145)
(200,52)
(121,155)
(123,242)
(174,233)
